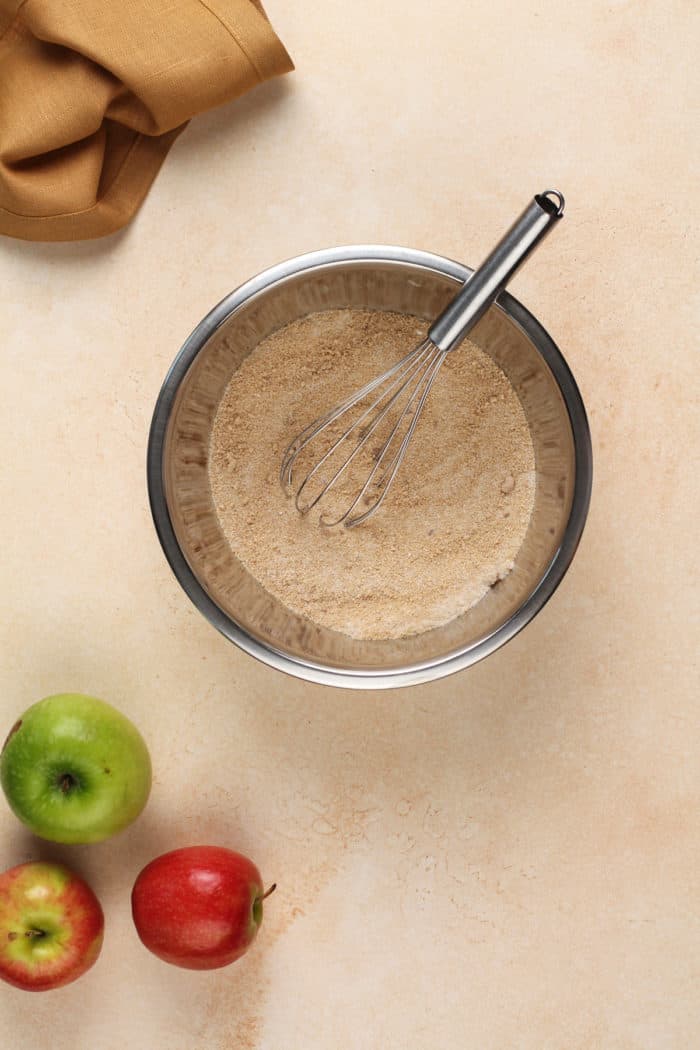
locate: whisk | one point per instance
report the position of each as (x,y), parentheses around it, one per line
(396,398)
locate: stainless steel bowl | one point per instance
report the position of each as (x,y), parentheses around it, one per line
(374,277)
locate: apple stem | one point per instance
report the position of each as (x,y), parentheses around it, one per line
(267,893)
(34,933)
(66,783)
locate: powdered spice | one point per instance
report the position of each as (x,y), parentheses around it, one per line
(454,518)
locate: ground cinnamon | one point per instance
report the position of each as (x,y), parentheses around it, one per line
(452,523)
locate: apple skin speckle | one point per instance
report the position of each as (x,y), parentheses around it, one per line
(12,732)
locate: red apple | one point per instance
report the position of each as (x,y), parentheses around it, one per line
(198,907)
(51,926)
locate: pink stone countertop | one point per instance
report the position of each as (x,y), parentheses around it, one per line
(508,858)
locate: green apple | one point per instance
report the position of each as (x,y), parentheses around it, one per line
(74,769)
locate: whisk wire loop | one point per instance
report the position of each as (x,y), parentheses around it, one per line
(393,385)
(411,411)
(296,447)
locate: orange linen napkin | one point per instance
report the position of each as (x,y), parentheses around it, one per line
(93,93)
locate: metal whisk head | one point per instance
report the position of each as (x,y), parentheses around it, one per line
(401,392)
(389,405)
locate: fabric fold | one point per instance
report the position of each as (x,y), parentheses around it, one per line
(93,95)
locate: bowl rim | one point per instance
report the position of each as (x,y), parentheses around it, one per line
(363,678)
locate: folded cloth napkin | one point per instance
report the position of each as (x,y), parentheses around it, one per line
(93,93)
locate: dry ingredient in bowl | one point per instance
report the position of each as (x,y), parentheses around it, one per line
(456,514)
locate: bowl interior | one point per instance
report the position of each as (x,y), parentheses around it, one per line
(374,285)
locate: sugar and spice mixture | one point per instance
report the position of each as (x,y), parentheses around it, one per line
(453,520)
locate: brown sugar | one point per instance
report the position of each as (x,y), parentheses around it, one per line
(453,521)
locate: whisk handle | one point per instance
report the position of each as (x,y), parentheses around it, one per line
(485,284)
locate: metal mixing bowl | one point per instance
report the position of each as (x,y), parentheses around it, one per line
(375,278)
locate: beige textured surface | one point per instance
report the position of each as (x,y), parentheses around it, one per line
(509,858)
